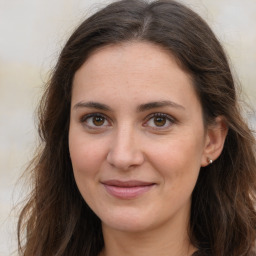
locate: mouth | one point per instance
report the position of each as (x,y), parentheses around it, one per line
(127,189)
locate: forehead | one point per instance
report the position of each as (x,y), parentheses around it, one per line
(143,70)
(131,54)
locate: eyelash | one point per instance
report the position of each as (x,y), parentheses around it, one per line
(168,118)
(84,120)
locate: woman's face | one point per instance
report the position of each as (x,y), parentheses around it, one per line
(136,138)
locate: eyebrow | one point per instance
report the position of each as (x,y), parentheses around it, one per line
(158,104)
(92,104)
(140,108)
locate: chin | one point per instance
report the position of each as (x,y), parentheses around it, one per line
(128,221)
(129,226)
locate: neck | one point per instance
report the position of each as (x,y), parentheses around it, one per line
(161,241)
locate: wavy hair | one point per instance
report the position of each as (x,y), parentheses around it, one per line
(57,221)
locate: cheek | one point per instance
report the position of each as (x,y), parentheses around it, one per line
(178,160)
(86,157)
(84,151)
(181,151)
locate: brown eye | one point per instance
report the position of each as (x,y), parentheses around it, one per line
(159,121)
(95,121)
(98,120)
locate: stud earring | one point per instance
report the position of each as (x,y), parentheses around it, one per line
(210,161)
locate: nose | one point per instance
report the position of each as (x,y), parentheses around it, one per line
(125,150)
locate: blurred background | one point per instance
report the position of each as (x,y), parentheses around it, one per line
(32,33)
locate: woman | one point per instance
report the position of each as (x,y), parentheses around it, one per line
(144,150)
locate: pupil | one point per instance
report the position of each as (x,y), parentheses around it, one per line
(98,121)
(160,121)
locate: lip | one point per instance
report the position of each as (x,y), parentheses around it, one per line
(127,189)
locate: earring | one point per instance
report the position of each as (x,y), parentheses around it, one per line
(210,161)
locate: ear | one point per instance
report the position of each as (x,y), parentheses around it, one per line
(214,141)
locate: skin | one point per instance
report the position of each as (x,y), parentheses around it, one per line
(125,141)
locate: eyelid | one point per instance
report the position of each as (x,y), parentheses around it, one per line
(170,118)
(86,116)
(96,114)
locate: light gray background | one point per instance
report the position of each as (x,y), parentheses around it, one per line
(32,33)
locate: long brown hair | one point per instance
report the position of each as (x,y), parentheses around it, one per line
(57,221)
